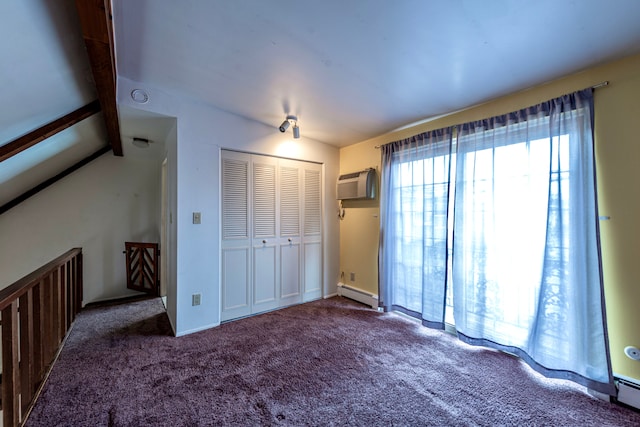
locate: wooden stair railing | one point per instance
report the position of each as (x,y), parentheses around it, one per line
(37,312)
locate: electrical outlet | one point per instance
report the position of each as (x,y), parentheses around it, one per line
(195,299)
(352,276)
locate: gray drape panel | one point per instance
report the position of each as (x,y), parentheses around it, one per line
(413,216)
(526,263)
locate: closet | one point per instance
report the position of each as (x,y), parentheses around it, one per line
(271,233)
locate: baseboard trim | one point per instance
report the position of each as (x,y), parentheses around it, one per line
(358,295)
(628,391)
(194,330)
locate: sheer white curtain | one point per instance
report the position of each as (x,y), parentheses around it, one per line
(525,270)
(526,262)
(413,214)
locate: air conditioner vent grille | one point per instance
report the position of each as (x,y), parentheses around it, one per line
(356,185)
(349,176)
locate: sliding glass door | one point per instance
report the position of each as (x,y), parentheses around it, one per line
(496,230)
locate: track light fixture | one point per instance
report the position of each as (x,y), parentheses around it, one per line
(284,126)
(287,122)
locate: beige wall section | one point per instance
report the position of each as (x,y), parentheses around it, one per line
(359,228)
(617,112)
(617,155)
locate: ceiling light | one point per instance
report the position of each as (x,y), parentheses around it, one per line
(141,142)
(287,122)
(140,96)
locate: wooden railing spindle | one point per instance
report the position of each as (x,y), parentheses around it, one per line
(38,329)
(26,348)
(48,314)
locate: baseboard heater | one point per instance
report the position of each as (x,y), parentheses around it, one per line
(628,392)
(358,295)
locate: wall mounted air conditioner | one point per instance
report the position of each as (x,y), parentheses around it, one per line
(356,185)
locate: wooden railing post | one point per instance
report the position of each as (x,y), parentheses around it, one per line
(78,290)
(10,365)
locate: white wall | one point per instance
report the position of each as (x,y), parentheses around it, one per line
(202,131)
(98,207)
(171,250)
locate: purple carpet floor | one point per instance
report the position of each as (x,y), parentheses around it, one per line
(327,363)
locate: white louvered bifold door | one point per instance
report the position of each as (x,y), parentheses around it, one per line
(265,245)
(289,236)
(236,256)
(271,233)
(312,232)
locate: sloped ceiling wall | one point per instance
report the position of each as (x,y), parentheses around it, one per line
(44,75)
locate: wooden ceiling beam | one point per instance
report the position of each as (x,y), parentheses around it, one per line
(32,138)
(97,31)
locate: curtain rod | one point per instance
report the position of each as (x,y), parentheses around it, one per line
(596,86)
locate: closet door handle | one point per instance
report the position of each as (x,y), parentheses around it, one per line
(289,239)
(264,241)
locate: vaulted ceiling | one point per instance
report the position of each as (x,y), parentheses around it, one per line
(349,70)
(44,75)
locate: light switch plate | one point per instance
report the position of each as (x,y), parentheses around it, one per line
(197,218)
(196,299)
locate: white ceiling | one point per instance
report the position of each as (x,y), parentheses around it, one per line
(136,123)
(354,69)
(350,69)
